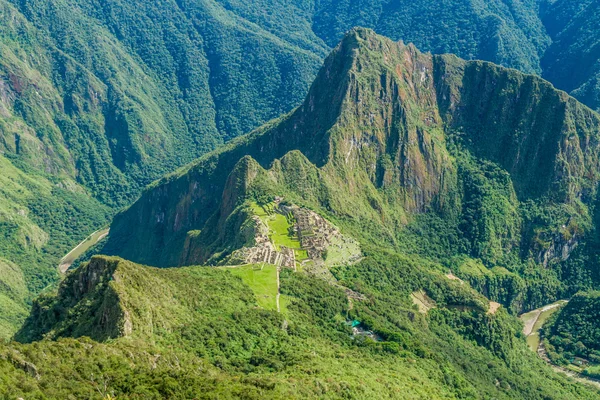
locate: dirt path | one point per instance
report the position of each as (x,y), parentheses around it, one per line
(278,291)
(81,248)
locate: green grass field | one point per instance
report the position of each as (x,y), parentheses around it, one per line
(263,282)
(258,210)
(301,255)
(279,227)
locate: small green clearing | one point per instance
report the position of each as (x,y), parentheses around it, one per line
(301,255)
(261,211)
(279,228)
(262,279)
(283,303)
(422,301)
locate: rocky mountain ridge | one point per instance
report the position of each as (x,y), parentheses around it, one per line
(388,134)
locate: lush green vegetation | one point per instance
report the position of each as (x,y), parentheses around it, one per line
(107,97)
(464,197)
(104,98)
(572,336)
(262,279)
(125,96)
(200,332)
(458,166)
(41,219)
(571,62)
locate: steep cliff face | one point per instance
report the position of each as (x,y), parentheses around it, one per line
(87,304)
(386,134)
(545,139)
(389,129)
(354,126)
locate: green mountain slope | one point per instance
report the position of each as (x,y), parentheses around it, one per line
(135,90)
(572,62)
(97,104)
(41,218)
(119,93)
(427,155)
(506,33)
(112,95)
(571,336)
(374,241)
(200,332)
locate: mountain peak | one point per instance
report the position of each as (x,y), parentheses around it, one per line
(385,132)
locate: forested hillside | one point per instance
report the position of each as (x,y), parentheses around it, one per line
(41,216)
(101,98)
(488,170)
(96,101)
(376,239)
(573,334)
(200,332)
(572,62)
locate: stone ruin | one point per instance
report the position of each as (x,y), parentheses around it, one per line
(264,251)
(314,233)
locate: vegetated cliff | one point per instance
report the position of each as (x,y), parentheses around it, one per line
(107,96)
(109,297)
(99,99)
(427,154)
(117,94)
(87,304)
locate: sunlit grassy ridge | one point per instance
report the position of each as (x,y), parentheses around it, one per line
(201,332)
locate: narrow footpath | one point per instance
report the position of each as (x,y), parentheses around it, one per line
(278,291)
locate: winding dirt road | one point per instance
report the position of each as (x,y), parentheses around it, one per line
(529,319)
